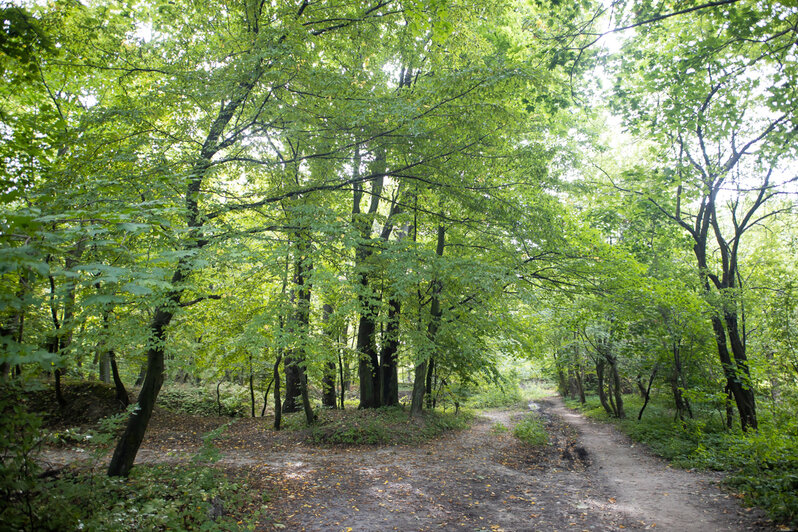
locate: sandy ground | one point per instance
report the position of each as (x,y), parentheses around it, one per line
(589,477)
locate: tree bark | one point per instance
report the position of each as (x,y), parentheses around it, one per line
(328,398)
(389,357)
(422,369)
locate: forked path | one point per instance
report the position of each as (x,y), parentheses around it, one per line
(589,478)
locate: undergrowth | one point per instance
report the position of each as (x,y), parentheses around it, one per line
(82,497)
(201,401)
(378,426)
(531,431)
(762,465)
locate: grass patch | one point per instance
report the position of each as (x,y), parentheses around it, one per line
(763,466)
(495,396)
(377,426)
(531,431)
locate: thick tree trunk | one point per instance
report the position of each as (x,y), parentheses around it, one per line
(129,443)
(737,378)
(389,370)
(368,363)
(292,390)
(600,364)
(417,398)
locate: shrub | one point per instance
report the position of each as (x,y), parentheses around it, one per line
(199,401)
(531,431)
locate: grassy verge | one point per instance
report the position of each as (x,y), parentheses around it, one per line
(378,426)
(762,466)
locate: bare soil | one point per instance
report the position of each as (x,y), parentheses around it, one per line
(589,477)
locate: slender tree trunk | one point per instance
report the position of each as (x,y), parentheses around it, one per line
(120,393)
(278,411)
(328,399)
(266,397)
(251,388)
(422,369)
(616,384)
(647,391)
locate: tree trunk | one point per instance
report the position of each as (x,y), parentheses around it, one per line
(328,399)
(128,445)
(120,393)
(389,356)
(417,399)
(600,385)
(422,371)
(278,411)
(616,384)
(266,397)
(368,360)
(647,391)
(251,388)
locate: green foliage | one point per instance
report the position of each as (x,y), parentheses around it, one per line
(499,428)
(201,401)
(762,465)
(531,430)
(381,426)
(163,497)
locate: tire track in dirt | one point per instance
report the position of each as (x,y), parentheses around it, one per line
(647,489)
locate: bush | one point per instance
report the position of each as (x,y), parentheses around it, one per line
(197,401)
(161,497)
(531,431)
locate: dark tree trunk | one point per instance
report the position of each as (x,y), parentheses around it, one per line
(120,393)
(328,399)
(105,368)
(647,391)
(368,363)
(129,443)
(389,357)
(580,384)
(368,360)
(429,384)
(422,376)
(278,411)
(292,391)
(251,388)
(600,385)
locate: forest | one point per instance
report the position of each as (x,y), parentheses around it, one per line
(365,222)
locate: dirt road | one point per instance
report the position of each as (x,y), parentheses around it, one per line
(589,477)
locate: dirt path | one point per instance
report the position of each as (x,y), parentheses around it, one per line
(481,479)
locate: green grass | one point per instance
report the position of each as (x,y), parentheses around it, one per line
(763,465)
(531,431)
(378,426)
